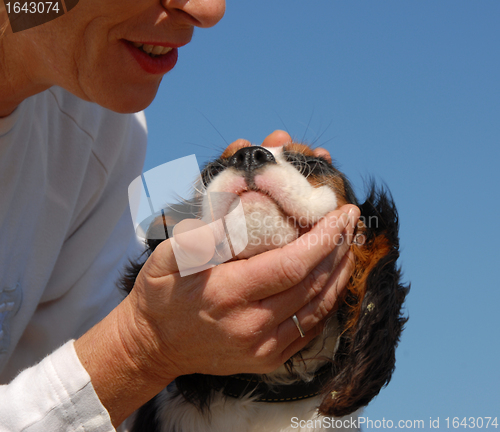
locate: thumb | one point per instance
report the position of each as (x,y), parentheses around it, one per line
(192,246)
(162,261)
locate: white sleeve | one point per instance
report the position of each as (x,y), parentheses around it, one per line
(54,395)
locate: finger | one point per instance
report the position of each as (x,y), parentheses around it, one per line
(282,352)
(193,243)
(313,285)
(324,153)
(293,262)
(162,261)
(314,313)
(277,139)
(328,300)
(234,147)
(300,342)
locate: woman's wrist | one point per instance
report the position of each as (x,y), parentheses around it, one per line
(124,373)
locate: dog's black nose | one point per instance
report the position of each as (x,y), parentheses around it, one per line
(251,158)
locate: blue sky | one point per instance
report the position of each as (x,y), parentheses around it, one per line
(407,92)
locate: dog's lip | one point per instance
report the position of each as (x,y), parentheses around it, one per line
(242,191)
(263,192)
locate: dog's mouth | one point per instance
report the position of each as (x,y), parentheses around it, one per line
(274,204)
(258,212)
(253,195)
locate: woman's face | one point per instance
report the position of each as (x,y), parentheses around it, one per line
(99,50)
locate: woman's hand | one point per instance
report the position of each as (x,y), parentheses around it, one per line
(233,318)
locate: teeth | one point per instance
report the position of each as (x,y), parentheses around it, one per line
(152,49)
(157,50)
(165,50)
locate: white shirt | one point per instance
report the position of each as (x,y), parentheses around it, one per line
(65,236)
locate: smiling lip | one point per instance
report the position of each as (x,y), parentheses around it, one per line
(158,65)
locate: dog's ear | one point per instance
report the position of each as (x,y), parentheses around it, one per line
(370,318)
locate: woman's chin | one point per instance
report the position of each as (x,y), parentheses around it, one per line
(130,101)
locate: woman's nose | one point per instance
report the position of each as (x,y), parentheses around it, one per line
(202,13)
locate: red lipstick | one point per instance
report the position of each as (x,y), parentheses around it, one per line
(158,65)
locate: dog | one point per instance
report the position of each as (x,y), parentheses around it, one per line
(284,191)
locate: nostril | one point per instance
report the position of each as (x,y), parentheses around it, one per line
(240,159)
(261,157)
(251,158)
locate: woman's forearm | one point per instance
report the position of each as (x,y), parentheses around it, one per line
(123,374)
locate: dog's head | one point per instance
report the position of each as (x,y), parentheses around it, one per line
(284,191)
